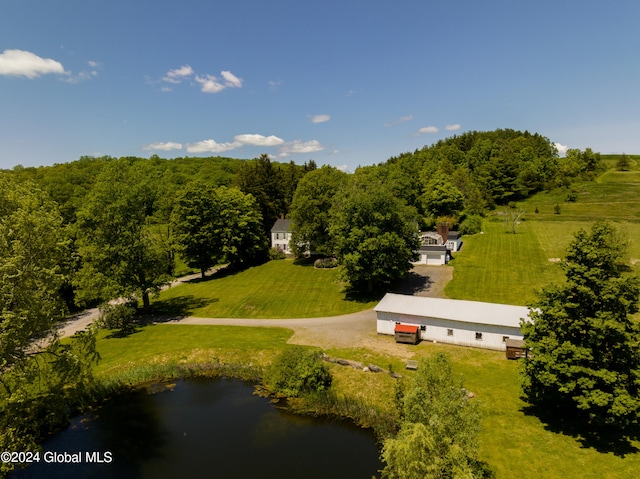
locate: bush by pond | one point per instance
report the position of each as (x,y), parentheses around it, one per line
(296,371)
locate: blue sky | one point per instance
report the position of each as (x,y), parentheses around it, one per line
(345,83)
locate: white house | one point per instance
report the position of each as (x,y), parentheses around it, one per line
(436,247)
(465,323)
(280,235)
(454,241)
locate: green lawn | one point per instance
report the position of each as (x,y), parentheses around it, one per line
(502,267)
(277,289)
(180,342)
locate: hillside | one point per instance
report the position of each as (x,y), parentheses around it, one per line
(508,268)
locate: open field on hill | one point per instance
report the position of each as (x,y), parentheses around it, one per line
(277,289)
(502,267)
(511,440)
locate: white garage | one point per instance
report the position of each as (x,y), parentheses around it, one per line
(465,323)
(433,255)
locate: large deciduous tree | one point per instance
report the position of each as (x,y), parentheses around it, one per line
(122,257)
(585,355)
(38,373)
(375,233)
(213,225)
(441,197)
(34,248)
(194,226)
(240,221)
(309,213)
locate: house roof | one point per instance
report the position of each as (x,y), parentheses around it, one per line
(514,343)
(453,309)
(281,225)
(432,247)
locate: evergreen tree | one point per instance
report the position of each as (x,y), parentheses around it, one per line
(584,359)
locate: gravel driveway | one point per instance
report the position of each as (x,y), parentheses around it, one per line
(357,330)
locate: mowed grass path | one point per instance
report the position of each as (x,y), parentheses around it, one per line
(277,289)
(502,267)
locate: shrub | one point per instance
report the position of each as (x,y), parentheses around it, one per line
(118,316)
(325,263)
(275,253)
(296,371)
(471,225)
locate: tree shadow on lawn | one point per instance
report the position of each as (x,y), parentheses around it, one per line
(602,440)
(174,308)
(222,272)
(358,293)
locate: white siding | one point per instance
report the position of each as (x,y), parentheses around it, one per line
(432,258)
(493,330)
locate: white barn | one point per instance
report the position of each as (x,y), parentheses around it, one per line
(465,323)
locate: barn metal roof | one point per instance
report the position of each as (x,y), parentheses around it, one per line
(453,309)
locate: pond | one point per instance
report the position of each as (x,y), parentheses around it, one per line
(204,429)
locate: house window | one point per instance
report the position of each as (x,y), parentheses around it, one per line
(478,336)
(449,332)
(504,339)
(277,235)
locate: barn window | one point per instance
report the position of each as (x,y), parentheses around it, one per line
(478,336)
(449,332)
(504,339)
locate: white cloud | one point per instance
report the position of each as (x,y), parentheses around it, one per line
(212,84)
(258,140)
(211,146)
(344,168)
(179,74)
(167,146)
(428,129)
(274,85)
(27,64)
(231,80)
(454,127)
(562,149)
(208,83)
(320,118)
(402,119)
(84,74)
(299,146)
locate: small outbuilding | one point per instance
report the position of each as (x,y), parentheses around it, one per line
(465,323)
(515,349)
(406,333)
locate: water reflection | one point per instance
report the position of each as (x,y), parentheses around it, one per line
(206,428)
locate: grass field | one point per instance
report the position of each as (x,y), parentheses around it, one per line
(502,267)
(277,289)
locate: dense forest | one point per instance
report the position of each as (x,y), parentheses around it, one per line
(456,180)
